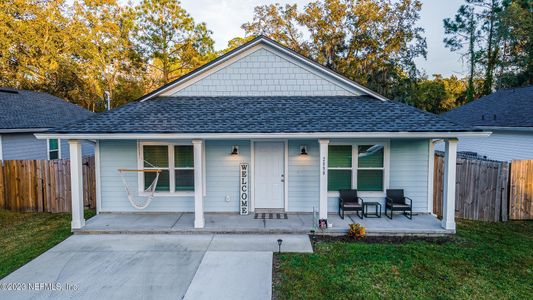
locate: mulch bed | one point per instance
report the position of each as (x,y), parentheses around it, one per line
(380,239)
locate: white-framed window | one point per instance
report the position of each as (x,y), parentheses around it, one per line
(176,163)
(53,148)
(362,166)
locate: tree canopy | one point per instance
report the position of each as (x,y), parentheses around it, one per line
(81,50)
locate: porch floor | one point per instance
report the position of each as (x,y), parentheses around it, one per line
(297,223)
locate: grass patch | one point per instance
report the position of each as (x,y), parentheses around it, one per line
(484,260)
(26,235)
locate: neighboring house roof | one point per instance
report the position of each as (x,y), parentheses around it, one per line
(281,114)
(503,108)
(244,49)
(27,111)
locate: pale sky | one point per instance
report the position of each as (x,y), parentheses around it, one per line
(225,17)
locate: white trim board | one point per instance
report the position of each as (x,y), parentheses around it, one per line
(252,46)
(98,178)
(280,135)
(431,171)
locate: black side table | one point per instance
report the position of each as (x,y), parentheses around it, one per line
(376,214)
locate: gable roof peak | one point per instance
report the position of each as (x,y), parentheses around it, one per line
(263,39)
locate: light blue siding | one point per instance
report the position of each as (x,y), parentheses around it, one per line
(17,146)
(408,170)
(87,148)
(304,176)
(263,73)
(500,145)
(116,155)
(222,178)
(23,146)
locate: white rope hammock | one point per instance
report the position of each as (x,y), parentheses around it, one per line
(137,201)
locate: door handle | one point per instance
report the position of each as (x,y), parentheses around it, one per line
(282,177)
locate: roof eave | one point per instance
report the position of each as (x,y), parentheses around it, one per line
(22,130)
(278,135)
(505,128)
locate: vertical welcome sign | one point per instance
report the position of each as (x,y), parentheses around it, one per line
(243,189)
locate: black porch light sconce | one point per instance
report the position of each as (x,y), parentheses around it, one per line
(279,245)
(303,150)
(235,150)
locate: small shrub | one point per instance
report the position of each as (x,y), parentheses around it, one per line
(356,231)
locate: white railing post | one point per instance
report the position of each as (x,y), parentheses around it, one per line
(448,199)
(76,181)
(198,185)
(323,207)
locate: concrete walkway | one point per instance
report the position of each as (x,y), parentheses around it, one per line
(206,266)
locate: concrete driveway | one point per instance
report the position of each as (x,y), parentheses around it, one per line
(204,266)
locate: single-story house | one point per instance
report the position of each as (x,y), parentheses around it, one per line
(301,130)
(508,114)
(24,113)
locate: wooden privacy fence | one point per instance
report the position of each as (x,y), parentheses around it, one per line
(521,199)
(481,190)
(43,185)
(487,190)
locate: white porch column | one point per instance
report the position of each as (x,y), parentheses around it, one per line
(198,185)
(448,199)
(76,182)
(323,209)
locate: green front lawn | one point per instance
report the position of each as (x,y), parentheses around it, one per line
(24,236)
(484,260)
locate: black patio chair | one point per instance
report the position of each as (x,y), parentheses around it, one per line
(348,201)
(396,201)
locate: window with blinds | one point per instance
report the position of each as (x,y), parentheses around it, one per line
(366,173)
(176,164)
(184,168)
(53,149)
(156,158)
(339,167)
(370,168)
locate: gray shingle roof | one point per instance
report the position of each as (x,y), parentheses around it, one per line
(262,115)
(21,109)
(504,108)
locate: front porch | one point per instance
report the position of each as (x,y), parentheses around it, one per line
(296,223)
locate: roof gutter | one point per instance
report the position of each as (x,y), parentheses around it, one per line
(23,130)
(281,135)
(505,128)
